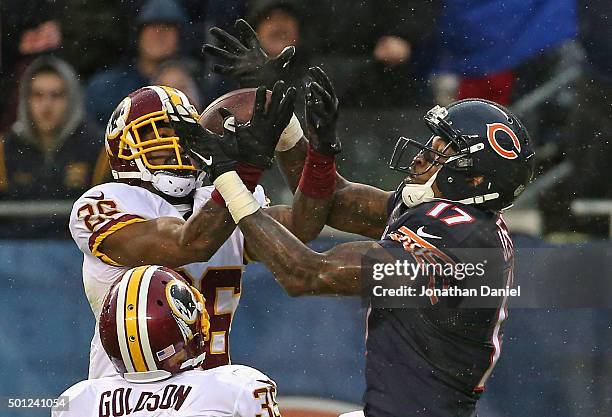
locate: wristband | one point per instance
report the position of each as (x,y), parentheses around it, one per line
(249,174)
(290,136)
(318,178)
(240,201)
(216,196)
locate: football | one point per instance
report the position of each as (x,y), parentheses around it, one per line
(238,102)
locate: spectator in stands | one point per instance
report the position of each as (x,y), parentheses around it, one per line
(201,16)
(180,75)
(484,43)
(377,47)
(159,34)
(95,32)
(29,28)
(51,152)
(278,24)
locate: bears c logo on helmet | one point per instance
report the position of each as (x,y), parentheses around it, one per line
(492,131)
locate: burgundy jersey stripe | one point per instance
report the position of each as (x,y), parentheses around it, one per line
(124,218)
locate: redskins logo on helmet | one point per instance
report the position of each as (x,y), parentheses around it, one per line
(133,133)
(185,302)
(153,324)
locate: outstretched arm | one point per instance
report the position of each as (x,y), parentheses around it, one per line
(354,208)
(291,162)
(171,241)
(359,208)
(300,270)
(323,196)
(242,58)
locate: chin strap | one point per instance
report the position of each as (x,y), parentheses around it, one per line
(193,362)
(175,186)
(479,199)
(166,181)
(415,194)
(160,374)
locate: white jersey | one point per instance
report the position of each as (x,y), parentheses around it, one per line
(225,391)
(106,208)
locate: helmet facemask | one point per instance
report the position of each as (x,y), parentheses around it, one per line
(131,138)
(458,160)
(401,159)
(176,175)
(404,161)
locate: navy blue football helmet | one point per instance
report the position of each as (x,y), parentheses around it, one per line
(487,140)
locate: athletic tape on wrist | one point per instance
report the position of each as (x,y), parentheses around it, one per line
(249,175)
(290,136)
(240,201)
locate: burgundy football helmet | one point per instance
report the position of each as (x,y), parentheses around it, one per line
(143,111)
(153,324)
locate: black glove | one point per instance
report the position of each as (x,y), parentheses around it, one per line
(245,60)
(321,113)
(257,138)
(207,148)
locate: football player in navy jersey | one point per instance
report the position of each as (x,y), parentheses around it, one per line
(431,359)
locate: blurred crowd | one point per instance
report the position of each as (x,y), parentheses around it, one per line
(66,64)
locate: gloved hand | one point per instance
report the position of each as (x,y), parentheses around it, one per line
(207,148)
(245,60)
(252,142)
(257,138)
(321,113)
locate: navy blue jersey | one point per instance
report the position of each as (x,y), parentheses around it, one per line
(433,360)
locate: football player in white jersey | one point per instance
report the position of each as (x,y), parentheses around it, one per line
(145,217)
(153,326)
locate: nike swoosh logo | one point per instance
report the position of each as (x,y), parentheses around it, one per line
(208,161)
(422,233)
(96,198)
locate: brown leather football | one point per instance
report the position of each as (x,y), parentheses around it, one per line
(238,102)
